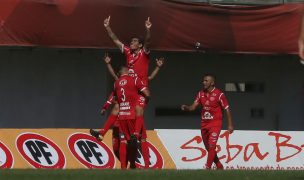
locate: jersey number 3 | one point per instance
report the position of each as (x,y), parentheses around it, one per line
(123,96)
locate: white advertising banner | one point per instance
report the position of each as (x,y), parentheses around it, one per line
(256,150)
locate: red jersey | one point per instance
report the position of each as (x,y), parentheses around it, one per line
(212,104)
(126,90)
(138,64)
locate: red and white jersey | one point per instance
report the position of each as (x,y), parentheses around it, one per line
(127,90)
(138,64)
(212,104)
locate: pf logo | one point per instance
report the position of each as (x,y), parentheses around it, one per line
(156,159)
(39,151)
(6,157)
(90,152)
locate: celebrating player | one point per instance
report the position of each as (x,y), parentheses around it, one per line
(127,89)
(137,60)
(212,101)
(113,116)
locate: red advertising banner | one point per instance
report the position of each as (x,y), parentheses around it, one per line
(176,26)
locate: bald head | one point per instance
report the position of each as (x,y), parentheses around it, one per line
(208,82)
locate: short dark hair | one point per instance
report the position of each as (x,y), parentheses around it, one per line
(140,39)
(120,68)
(210,75)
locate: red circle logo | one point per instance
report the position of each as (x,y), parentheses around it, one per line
(156,159)
(90,152)
(39,151)
(6,157)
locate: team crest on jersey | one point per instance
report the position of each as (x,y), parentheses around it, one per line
(213,94)
(214,134)
(123,82)
(131,71)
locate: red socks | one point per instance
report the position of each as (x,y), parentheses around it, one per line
(145,153)
(211,156)
(123,155)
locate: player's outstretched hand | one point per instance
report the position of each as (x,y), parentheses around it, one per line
(102,111)
(148,23)
(106,22)
(160,61)
(183,107)
(107,58)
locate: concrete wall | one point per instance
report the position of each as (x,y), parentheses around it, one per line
(50,88)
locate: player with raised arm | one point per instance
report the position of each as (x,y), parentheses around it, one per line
(111,100)
(127,89)
(137,60)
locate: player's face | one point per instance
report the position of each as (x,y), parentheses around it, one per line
(208,82)
(134,44)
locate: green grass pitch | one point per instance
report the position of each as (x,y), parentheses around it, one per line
(83,174)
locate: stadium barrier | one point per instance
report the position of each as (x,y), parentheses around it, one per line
(244,150)
(169,149)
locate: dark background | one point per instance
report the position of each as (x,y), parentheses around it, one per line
(65,88)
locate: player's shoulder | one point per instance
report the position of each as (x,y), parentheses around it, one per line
(126,49)
(217,90)
(200,93)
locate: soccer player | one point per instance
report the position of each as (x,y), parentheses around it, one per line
(113,116)
(137,60)
(212,101)
(127,89)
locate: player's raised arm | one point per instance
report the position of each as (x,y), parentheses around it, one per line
(147,42)
(191,107)
(107,60)
(159,64)
(114,38)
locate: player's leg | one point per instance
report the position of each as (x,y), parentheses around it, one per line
(144,147)
(139,110)
(111,119)
(123,153)
(214,133)
(140,130)
(205,137)
(116,141)
(132,147)
(124,137)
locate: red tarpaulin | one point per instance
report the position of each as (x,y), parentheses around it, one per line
(176,26)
